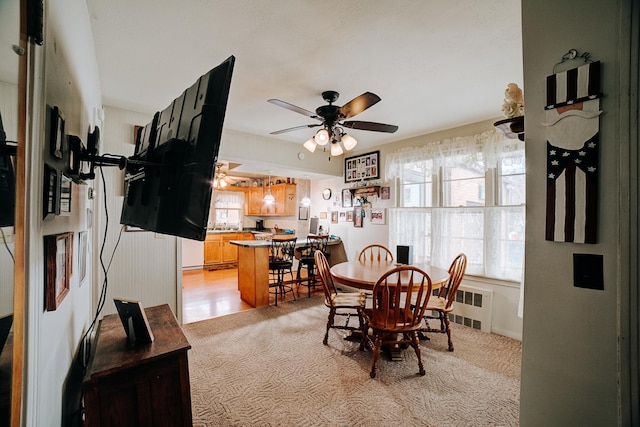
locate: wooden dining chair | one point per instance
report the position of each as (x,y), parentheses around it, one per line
(440,306)
(400,298)
(375,252)
(316,242)
(340,303)
(280,265)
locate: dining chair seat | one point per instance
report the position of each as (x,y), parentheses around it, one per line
(344,304)
(439,307)
(438,303)
(349,299)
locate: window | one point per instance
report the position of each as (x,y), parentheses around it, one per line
(226,210)
(462,195)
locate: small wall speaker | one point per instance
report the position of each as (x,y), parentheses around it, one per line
(404,254)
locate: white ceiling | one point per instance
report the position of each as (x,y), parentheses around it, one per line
(436,64)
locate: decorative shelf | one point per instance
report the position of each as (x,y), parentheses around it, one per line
(371,190)
(512,128)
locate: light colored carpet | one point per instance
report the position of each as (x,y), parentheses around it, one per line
(268,367)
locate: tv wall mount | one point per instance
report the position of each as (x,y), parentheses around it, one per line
(81,156)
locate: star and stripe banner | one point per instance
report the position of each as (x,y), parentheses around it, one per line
(572,129)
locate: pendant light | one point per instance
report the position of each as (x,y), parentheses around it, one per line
(268,198)
(306,201)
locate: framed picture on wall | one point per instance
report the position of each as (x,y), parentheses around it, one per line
(50,192)
(56,137)
(349,216)
(334,217)
(385,193)
(58,255)
(346,198)
(82,255)
(357,217)
(303,213)
(378,216)
(65,195)
(362,168)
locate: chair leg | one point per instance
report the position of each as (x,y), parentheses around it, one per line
(277,289)
(415,343)
(376,352)
(446,320)
(291,286)
(364,328)
(330,320)
(298,278)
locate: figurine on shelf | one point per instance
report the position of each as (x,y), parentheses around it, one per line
(513,105)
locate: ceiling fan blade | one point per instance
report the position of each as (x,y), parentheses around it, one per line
(376,127)
(293,108)
(358,104)
(294,128)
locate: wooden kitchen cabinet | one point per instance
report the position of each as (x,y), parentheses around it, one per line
(219,252)
(145,385)
(284,204)
(255,201)
(229,251)
(213,249)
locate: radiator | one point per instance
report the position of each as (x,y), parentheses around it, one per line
(473,308)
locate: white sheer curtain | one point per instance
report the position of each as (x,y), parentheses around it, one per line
(492,237)
(492,145)
(228,199)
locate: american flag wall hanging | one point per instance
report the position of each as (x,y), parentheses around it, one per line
(572,128)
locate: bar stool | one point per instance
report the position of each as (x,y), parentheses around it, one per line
(280,264)
(316,242)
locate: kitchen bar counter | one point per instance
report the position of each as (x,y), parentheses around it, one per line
(253,266)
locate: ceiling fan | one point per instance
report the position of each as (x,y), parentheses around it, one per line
(221,178)
(332,118)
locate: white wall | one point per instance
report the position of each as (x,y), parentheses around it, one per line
(144,265)
(573,364)
(71,82)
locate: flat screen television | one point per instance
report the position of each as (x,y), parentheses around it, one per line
(7,180)
(168,179)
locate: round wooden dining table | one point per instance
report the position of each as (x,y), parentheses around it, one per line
(365,274)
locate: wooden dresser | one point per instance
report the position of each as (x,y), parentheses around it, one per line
(146,385)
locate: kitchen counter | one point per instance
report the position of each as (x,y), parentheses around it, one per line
(253,266)
(267,243)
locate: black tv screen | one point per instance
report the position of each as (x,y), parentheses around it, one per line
(168,179)
(7,190)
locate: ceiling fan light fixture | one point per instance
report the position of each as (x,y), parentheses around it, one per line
(219,180)
(336,149)
(310,145)
(349,142)
(321,137)
(219,183)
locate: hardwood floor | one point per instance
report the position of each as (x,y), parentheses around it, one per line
(207,294)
